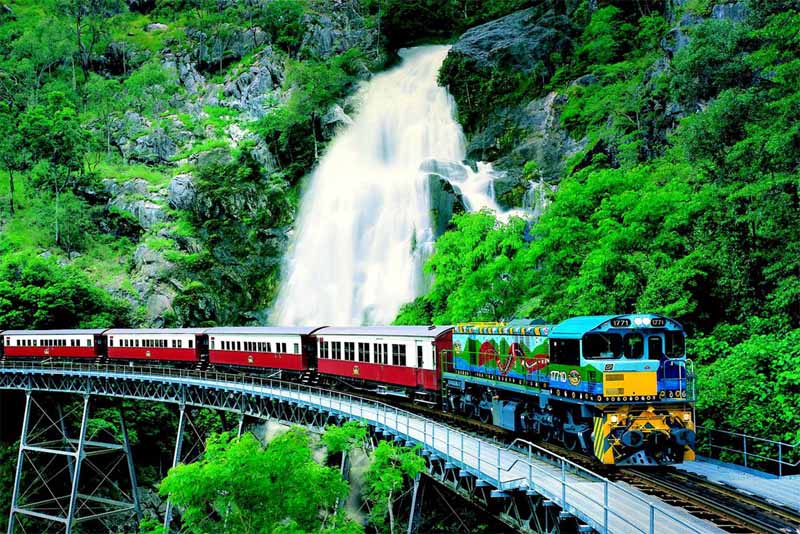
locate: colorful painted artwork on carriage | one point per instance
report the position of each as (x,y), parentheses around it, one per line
(517,356)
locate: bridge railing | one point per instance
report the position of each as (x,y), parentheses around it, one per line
(776,457)
(479,456)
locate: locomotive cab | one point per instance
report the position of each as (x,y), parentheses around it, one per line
(640,383)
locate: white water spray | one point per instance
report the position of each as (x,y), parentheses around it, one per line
(364,228)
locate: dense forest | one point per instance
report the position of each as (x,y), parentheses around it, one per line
(152,156)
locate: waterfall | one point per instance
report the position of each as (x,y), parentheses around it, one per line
(364,227)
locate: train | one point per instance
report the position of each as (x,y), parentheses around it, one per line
(617,387)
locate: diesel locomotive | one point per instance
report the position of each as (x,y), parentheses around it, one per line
(617,387)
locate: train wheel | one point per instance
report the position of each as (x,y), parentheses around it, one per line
(570,441)
(485,416)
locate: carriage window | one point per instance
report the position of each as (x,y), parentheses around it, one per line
(89,342)
(634,346)
(602,346)
(174,343)
(337,350)
(398,354)
(349,351)
(180,343)
(269,346)
(136,343)
(325,349)
(654,348)
(363,352)
(565,351)
(419,357)
(675,344)
(190,343)
(297,348)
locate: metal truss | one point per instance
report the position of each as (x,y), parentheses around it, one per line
(265,399)
(64,479)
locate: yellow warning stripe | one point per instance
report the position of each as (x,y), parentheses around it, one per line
(598,437)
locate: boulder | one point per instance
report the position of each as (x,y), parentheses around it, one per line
(151,264)
(520,41)
(677,37)
(181,192)
(538,137)
(445,201)
(734,11)
(134,197)
(336,26)
(156,27)
(250,91)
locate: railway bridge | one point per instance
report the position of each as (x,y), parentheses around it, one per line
(527,487)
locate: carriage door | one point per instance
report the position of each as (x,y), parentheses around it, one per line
(420,365)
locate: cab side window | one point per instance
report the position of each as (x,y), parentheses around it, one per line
(565,351)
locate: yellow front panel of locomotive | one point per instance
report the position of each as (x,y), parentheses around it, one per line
(630,384)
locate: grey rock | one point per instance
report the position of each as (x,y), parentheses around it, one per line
(677,38)
(156,27)
(186,71)
(734,11)
(157,147)
(519,41)
(335,118)
(181,192)
(585,80)
(451,171)
(213,50)
(250,91)
(336,26)
(445,201)
(540,138)
(151,263)
(134,197)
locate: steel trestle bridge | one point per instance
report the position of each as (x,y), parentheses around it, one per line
(525,486)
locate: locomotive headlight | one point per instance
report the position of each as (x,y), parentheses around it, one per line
(687,416)
(614,419)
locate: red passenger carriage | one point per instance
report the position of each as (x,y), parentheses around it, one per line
(160,344)
(273,347)
(405,356)
(53,343)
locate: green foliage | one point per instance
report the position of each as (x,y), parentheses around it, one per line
(36,292)
(604,38)
(715,60)
(241,486)
(391,469)
(344,438)
(283,21)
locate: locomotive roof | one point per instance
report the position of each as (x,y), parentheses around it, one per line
(397,331)
(576,327)
(267,330)
(60,332)
(140,331)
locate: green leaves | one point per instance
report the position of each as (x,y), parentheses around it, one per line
(392,467)
(241,486)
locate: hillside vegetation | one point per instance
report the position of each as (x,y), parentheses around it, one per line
(152,154)
(682,200)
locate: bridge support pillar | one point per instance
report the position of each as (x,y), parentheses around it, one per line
(61,481)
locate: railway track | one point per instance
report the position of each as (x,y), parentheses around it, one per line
(727,508)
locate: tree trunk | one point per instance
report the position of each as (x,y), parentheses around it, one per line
(391,513)
(11,191)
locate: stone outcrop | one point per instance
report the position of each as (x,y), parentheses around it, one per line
(181,192)
(134,197)
(519,41)
(251,91)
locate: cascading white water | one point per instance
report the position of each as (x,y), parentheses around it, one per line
(364,226)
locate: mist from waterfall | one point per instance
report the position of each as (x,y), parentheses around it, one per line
(364,229)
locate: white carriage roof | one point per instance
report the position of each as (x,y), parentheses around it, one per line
(141,331)
(398,331)
(62,332)
(264,330)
